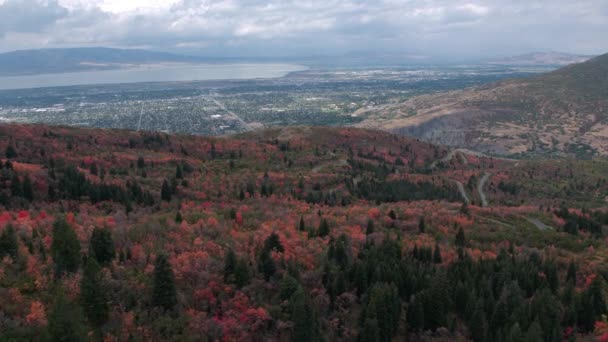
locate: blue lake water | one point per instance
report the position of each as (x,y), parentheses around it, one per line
(155,73)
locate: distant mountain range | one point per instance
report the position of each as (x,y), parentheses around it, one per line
(541,58)
(564,112)
(44,61)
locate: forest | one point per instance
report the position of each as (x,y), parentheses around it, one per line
(294,234)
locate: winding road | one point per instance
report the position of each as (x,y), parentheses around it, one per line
(480,185)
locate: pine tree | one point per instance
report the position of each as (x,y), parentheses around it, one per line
(93,297)
(230,262)
(241,273)
(8,243)
(65,249)
(392,214)
(267,265)
(101,246)
(535,332)
(65,321)
(323,228)
(10,152)
(303,317)
(415,314)
(179,173)
(166,192)
(16,187)
(27,191)
(437,255)
(460,238)
(302,224)
(421,225)
(178,217)
(370,227)
(478,325)
(164,294)
(571,275)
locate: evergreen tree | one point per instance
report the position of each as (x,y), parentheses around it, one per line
(421,225)
(27,191)
(179,173)
(478,325)
(415,314)
(392,214)
(370,227)
(382,312)
(93,297)
(101,246)
(65,321)
(241,273)
(460,238)
(10,152)
(571,275)
(16,187)
(164,294)
(267,265)
(437,255)
(65,249)
(305,327)
(535,332)
(166,192)
(323,228)
(302,224)
(230,262)
(178,217)
(8,243)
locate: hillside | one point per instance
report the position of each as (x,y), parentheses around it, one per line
(540,59)
(564,112)
(45,61)
(298,233)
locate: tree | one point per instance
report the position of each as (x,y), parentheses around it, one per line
(478,325)
(10,152)
(93,297)
(178,217)
(16,187)
(179,173)
(305,327)
(141,162)
(27,191)
(370,227)
(65,321)
(166,192)
(571,275)
(421,225)
(382,312)
(230,261)
(101,246)
(460,238)
(65,249)
(164,294)
(415,314)
(437,255)
(535,332)
(241,273)
(323,228)
(302,226)
(8,243)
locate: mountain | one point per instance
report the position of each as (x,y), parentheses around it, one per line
(293,234)
(541,59)
(41,61)
(564,112)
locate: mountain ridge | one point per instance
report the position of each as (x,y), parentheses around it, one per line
(563,112)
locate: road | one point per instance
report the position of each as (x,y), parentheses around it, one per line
(480,185)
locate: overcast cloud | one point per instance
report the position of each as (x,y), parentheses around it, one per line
(440,28)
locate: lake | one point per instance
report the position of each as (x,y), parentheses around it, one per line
(153,73)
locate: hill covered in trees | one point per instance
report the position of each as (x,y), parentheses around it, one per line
(300,233)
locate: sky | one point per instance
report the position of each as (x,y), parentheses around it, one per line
(416,29)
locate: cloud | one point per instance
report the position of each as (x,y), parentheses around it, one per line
(21,16)
(313,27)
